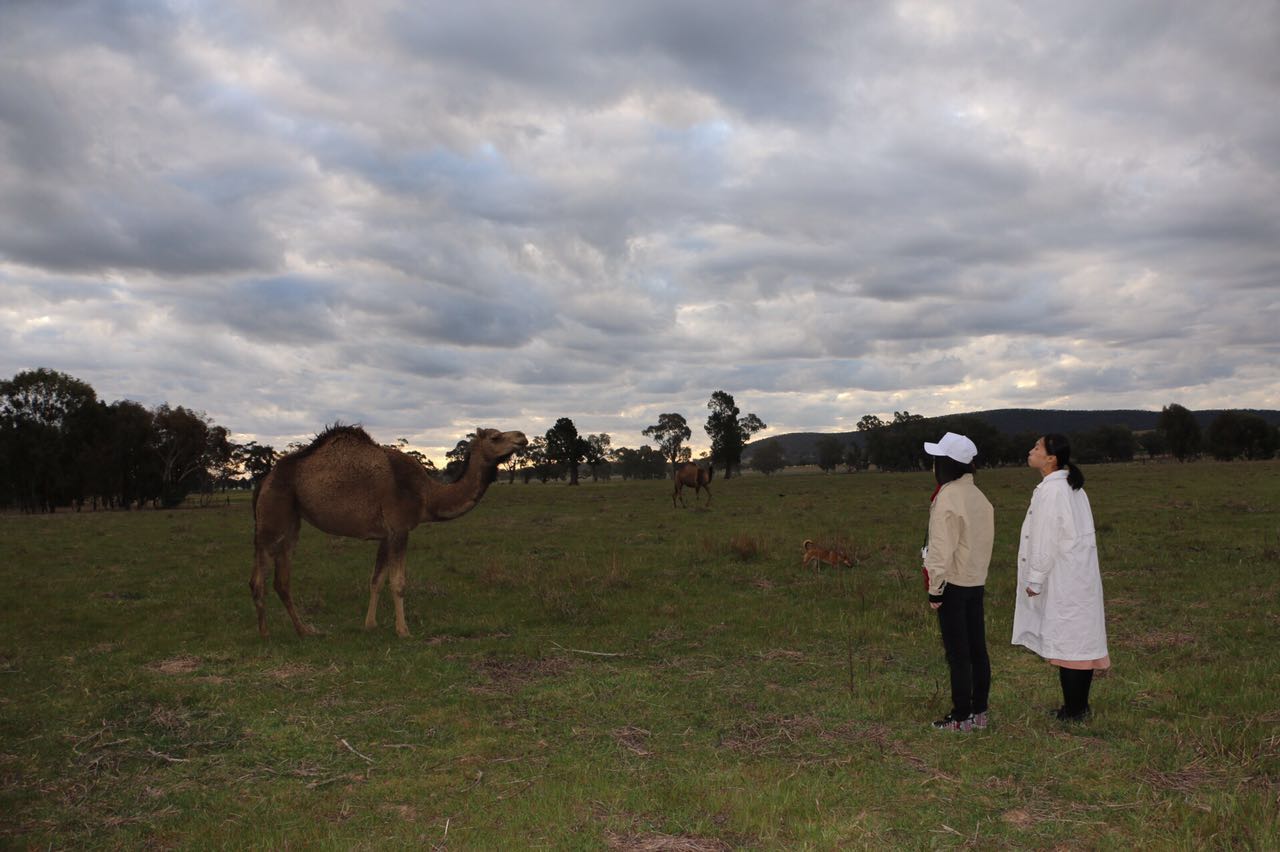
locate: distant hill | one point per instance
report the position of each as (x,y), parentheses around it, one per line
(797,446)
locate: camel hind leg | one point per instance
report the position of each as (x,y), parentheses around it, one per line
(284,566)
(258,587)
(376,581)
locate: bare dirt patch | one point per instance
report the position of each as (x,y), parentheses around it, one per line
(504,675)
(1019,818)
(179,665)
(290,671)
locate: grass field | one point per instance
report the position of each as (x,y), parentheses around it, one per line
(592,669)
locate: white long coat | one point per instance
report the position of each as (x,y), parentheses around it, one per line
(1059,549)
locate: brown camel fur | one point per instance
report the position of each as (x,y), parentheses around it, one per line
(689,475)
(344,483)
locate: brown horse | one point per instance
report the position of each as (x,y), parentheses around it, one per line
(690,475)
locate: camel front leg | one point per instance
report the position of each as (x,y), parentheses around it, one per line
(376,581)
(398,546)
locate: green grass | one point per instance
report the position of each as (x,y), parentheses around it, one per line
(590,668)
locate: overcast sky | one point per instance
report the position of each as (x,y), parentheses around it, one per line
(427,217)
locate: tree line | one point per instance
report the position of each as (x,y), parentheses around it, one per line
(62,446)
(898,444)
(562,451)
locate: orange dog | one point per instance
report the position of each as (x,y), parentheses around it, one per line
(814,554)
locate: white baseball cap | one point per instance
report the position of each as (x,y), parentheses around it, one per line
(953,446)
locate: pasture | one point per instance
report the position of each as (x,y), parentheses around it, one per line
(590,668)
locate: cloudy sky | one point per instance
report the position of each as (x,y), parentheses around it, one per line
(425,217)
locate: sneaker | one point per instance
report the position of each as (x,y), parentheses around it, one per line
(950,723)
(980,721)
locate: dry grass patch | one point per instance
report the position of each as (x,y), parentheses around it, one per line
(1158,640)
(664,843)
(633,739)
(1188,780)
(770,734)
(782,654)
(744,548)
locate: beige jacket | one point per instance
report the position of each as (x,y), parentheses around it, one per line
(962,530)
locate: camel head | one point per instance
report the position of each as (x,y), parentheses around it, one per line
(493,447)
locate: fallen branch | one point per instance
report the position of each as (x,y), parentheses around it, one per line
(592,653)
(347,745)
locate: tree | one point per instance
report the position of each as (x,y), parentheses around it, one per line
(1114,443)
(853,458)
(402,445)
(255,459)
(1239,434)
(539,464)
(870,422)
(185,448)
(597,453)
(519,460)
(566,447)
(728,432)
(456,459)
(898,445)
(831,451)
(1181,431)
(134,478)
(1153,443)
(644,463)
(670,433)
(39,442)
(768,457)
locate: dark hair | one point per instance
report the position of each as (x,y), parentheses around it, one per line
(947,469)
(1059,447)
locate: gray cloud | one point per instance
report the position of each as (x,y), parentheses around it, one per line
(427,217)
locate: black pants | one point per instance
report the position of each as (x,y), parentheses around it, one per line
(964,636)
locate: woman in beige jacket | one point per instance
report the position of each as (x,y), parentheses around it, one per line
(956,558)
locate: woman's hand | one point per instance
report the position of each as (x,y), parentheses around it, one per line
(1031,593)
(935,604)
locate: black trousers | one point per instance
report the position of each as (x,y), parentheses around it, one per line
(964,636)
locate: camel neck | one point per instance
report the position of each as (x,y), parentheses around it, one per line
(458,498)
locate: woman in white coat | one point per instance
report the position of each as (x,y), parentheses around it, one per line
(1059,612)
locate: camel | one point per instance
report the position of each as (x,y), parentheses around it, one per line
(346,484)
(690,475)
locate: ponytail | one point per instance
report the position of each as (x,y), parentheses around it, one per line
(1057,446)
(1075,477)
